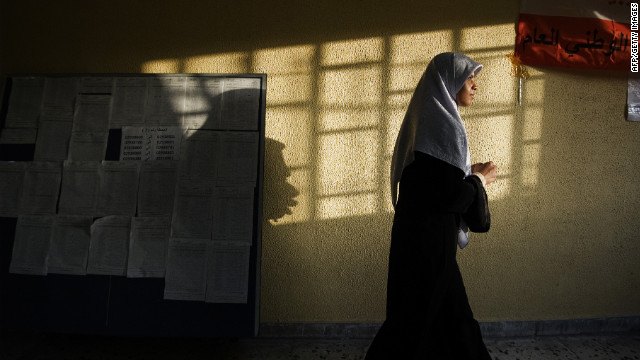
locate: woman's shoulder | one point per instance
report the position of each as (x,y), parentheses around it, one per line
(425,160)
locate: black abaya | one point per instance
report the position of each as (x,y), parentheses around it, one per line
(428,313)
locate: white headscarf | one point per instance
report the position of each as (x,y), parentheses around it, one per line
(432,124)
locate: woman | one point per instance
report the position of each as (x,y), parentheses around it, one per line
(428,313)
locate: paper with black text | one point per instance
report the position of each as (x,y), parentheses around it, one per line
(148,247)
(91,113)
(96,85)
(165,101)
(228,273)
(150,143)
(25,103)
(200,152)
(186,269)
(40,188)
(109,246)
(240,104)
(129,97)
(18,136)
(54,134)
(59,95)
(156,187)
(238,161)
(69,249)
(11,177)
(202,104)
(86,146)
(79,190)
(118,192)
(192,210)
(31,245)
(233,214)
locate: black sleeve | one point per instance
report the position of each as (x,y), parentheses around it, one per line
(477,216)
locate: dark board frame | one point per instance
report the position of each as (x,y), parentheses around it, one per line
(116,305)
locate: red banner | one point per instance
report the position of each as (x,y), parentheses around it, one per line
(580,42)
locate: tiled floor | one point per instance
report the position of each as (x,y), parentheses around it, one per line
(53,347)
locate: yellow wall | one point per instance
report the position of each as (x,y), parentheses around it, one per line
(564,242)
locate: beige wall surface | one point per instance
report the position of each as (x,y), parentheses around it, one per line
(564,242)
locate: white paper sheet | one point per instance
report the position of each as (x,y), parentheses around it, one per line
(200,153)
(25,103)
(233,214)
(96,85)
(240,104)
(203,103)
(150,143)
(227,273)
(92,113)
(192,210)
(54,133)
(156,188)
(118,194)
(633,99)
(79,191)
(238,162)
(129,97)
(87,146)
(11,177)
(109,246)
(40,188)
(69,249)
(148,247)
(31,245)
(59,95)
(186,269)
(165,101)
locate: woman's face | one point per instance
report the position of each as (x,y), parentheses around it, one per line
(465,96)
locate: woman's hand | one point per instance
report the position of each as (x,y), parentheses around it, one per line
(489,170)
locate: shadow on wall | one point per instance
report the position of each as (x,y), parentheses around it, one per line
(281,194)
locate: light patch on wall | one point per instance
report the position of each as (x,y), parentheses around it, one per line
(352,51)
(530,164)
(347,162)
(495,84)
(289,69)
(349,119)
(346,205)
(487,37)
(532,132)
(532,124)
(352,86)
(230,63)
(290,126)
(285,60)
(292,88)
(162,66)
(396,115)
(533,90)
(490,139)
(410,54)
(386,188)
(419,48)
(405,77)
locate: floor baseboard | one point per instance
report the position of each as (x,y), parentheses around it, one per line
(497,329)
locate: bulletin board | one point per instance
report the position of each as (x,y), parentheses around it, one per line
(131,204)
